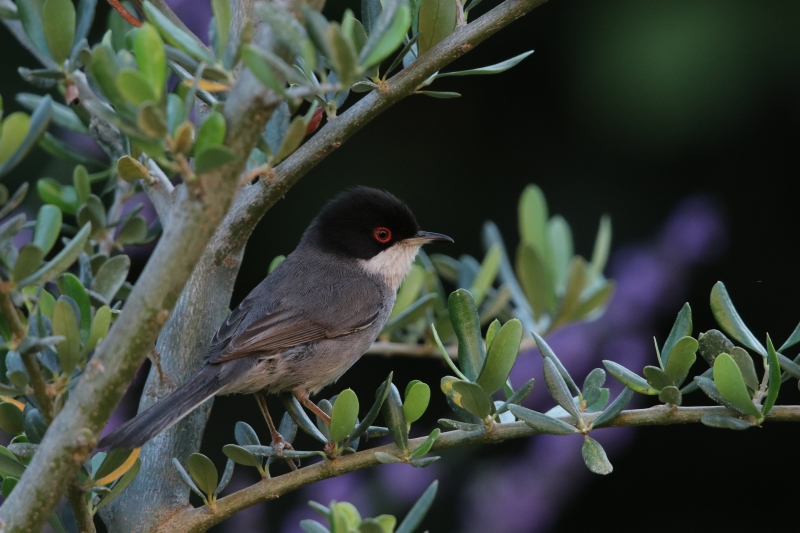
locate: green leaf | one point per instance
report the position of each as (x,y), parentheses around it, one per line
(35,426)
(730,384)
(462,426)
(386,33)
(386,458)
(104,70)
(774,378)
(294,136)
(712,343)
(710,390)
(542,423)
(297,413)
(592,385)
(58,17)
(558,388)
(82,183)
(395,418)
(629,379)
(746,367)
(254,60)
(222,17)
(29,259)
(213,157)
(437,20)
(130,169)
(48,226)
(550,354)
(501,357)
(288,30)
(416,402)
(793,339)
(134,87)
(364,425)
(670,395)
(186,477)
(595,457)
(464,317)
(343,55)
(111,275)
(534,278)
(409,290)
(730,321)
(616,407)
(491,69)
(11,419)
(30,14)
(66,324)
(39,121)
(533,214)
(151,120)
(577,279)
(85,16)
(9,466)
(680,359)
(473,398)
(559,239)
(99,328)
(518,396)
(203,472)
(681,328)
(344,415)
(8,485)
(14,201)
(425,447)
(111,461)
(211,132)
(176,36)
(424,462)
(239,455)
(657,378)
(412,313)
(442,95)
(594,301)
(52,192)
(419,510)
(121,484)
(62,115)
(486,275)
(75,290)
(725,422)
(134,231)
(602,245)
(15,127)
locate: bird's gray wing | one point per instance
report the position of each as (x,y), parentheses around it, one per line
(282,330)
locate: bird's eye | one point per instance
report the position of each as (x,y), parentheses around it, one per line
(382,235)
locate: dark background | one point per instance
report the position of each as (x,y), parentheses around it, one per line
(626,108)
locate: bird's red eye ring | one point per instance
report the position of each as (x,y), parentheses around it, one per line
(382,235)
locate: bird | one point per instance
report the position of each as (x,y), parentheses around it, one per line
(309,320)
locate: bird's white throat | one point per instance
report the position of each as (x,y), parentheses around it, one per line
(392,264)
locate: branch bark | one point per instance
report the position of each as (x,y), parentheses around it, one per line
(200,519)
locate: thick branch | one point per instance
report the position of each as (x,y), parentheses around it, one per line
(201,518)
(73,434)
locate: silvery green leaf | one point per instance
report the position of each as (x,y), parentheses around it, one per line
(492,69)
(730,321)
(440,94)
(558,388)
(419,510)
(725,422)
(542,423)
(595,457)
(62,115)
(463,426)
(681,328)
(548,353)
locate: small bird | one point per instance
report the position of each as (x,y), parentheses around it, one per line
(310,319)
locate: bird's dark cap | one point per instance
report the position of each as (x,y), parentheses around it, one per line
(361,223)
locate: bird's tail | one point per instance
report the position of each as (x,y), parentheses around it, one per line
(169,411)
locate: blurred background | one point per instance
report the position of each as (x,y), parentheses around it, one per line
(678,118)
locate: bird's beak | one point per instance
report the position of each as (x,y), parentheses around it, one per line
(423,237)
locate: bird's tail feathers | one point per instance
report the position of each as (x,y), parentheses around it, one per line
(163,415)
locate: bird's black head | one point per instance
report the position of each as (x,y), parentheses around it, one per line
(363,222)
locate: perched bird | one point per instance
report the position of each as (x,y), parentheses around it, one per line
(309,320)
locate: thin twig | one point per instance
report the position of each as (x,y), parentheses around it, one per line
(20,333)
(77,500)
(200,519)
